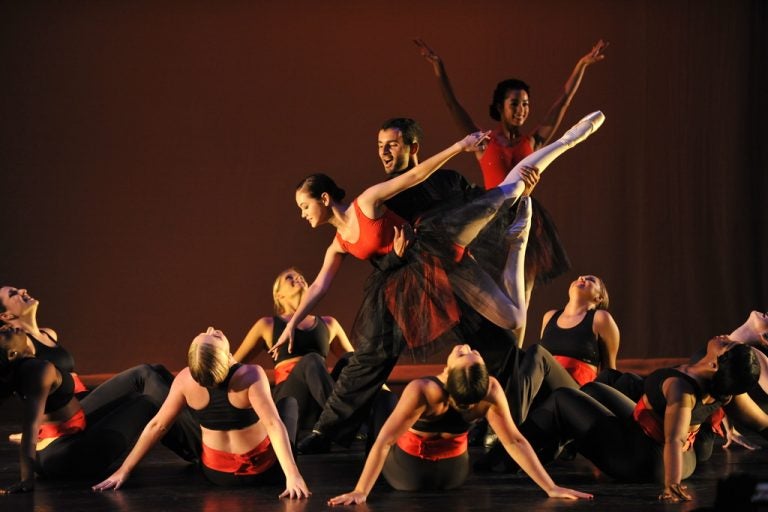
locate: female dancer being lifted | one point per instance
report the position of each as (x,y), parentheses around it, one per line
(423,288)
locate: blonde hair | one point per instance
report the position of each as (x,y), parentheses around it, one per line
(604,300)
(279,309)
(208,364)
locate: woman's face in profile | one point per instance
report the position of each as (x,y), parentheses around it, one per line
(759,321)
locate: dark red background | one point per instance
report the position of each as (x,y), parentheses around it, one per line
(150,149)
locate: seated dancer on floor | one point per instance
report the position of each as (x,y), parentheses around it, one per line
(19,309)
(753,332)
(244,441)
(302,374)
(424,286)
(575,341)
(423,444)
(582,336)
(545,257)
(63,437)
(652,439)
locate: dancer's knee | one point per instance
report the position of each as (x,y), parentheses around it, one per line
(538,353)
(313,361)
(515,318)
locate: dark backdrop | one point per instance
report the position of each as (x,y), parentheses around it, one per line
(149,152)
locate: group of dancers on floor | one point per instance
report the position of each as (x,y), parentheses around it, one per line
(453,265)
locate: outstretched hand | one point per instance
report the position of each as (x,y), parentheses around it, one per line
(568,494)
(428,53)
(115,481)
(595,54)
(285,337)
(475,141)
(350,498)
(734,437)
(295,488)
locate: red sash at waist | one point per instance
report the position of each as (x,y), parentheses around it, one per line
(653,426)
(432,448)
(716,420)
(284,370)
(71,426)
(580,371)
(254,462)
(79,386)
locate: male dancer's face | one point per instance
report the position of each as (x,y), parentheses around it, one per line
(394,153)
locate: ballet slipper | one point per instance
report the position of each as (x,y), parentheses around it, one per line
(583,129)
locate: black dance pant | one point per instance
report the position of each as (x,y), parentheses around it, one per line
(272,476)
(97,449)
(616,445)
(310,384)
(116,413)
(152,382)
(359,383)
(529,377)
(630,384)
(406,472)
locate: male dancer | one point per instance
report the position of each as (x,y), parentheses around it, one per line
(369,367)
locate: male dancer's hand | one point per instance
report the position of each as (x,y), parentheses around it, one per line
(404,236)
(531,177)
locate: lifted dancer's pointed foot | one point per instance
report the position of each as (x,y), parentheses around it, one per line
(583,129)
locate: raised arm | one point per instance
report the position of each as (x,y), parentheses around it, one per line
(410,407)
(340,344)
(460,116)
(334,256)
(371,201)
(608,335)
(556,112)
(253,343)
(518,447)
(153,432)
(677,421)
(35,392)
(261,401)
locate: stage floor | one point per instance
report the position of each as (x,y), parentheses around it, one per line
(165,483)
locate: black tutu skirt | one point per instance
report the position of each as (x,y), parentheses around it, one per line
(545,256)
(412,304)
